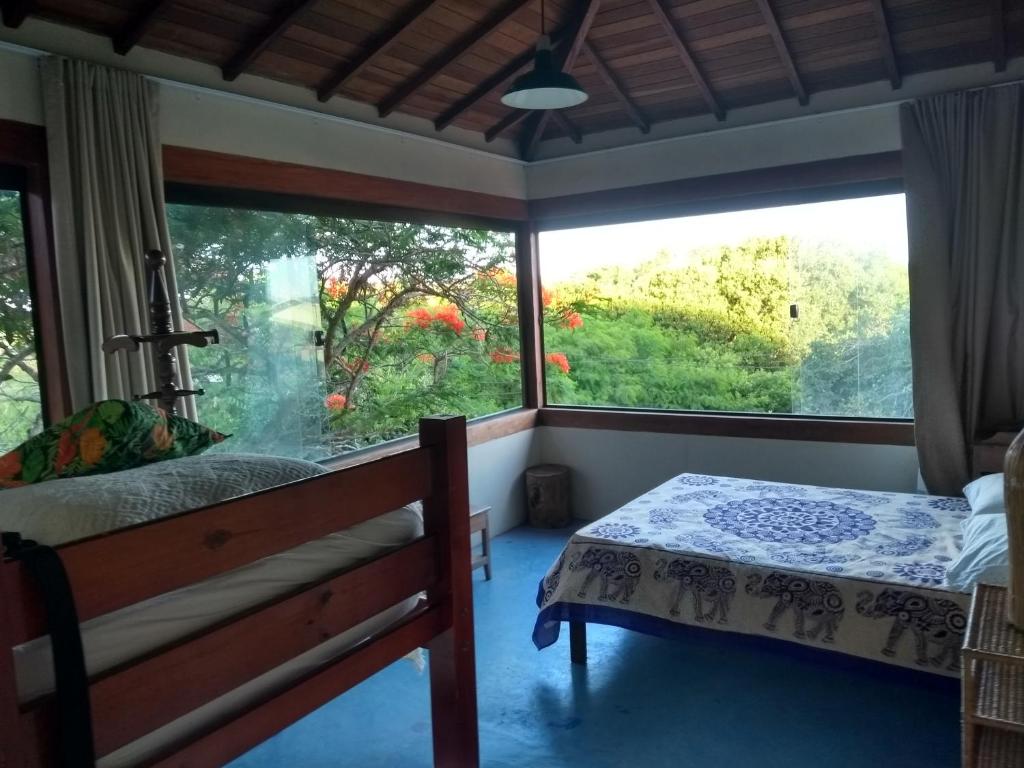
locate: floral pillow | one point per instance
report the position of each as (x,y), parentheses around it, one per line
(105,437)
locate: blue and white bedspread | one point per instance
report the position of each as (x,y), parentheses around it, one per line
(853,571)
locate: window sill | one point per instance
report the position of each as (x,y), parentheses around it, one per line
(480,430)
(874,432)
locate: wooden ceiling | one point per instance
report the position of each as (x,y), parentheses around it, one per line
(641,61)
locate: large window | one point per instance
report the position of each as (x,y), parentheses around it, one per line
(21,413)
(340,333)
(801,309)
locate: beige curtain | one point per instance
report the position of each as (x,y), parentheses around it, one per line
(108,211)
(963,158)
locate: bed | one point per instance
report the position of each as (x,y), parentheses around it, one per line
(852,571)
(321,582)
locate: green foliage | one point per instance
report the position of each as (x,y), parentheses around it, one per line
(409,314)
(715,333)
(420,319)
(20,408)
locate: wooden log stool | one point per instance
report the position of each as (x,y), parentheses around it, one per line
(479,523)
(547,495)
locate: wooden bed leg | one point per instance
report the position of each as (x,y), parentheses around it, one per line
(452,653)
(578,642)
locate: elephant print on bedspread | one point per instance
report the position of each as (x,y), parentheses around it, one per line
(714,584)
(936,623)
(810,600)
(618,571)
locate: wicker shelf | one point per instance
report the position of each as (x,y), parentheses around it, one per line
(1000,749)
(993,684)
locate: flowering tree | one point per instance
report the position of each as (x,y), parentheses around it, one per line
(416,319)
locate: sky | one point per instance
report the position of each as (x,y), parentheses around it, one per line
(870,222)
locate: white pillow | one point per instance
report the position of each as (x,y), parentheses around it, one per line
(985,556)
(985,495)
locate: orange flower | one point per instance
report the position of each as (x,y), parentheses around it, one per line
(546,296)
(93,444)
(559,360)
(503,356)
(336,402)
(420,317)
(426,357)
(572,321)
(480,334)
(160,439)
(449,315)
(334,288)
(66,450)
(10,465)
(500,276)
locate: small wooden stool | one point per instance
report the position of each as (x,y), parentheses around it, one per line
(479,523)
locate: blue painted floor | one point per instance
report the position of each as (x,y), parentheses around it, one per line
(711,699)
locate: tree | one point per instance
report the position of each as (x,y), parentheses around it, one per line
(20,405)
(415,319)
(713,331)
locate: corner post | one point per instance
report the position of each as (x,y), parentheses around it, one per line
(452,653)
(11,738)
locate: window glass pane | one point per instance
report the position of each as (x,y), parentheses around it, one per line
(337,334)
(799,310)
(21,413)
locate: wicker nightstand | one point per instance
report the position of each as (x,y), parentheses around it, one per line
(993,684)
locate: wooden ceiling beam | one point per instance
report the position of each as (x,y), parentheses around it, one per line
(617,88)
(501,76)
(16,11)
(892,66)
(683,51)
(512,118)
(284,16)
(380,43)
(567,125)
(440,62)
(584,20)
(999,35)
(447,117)
(135,28)
(772,23)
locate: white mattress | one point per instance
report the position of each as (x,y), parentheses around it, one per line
(126,634)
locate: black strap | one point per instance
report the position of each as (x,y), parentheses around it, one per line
(74,718)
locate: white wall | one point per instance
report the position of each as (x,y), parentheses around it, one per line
(610,468)
(205,119)
(195,116)
(818,137)
(19,87)
(496,477)
(838,123)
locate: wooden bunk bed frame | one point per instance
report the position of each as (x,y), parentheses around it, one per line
(125,567)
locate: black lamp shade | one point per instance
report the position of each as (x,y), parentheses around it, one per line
(545,86)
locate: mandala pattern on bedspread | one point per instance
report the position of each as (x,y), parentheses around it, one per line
(854,571)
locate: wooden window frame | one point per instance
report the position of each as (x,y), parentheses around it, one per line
(23,149)
(843,178)
(200,177)
(211,174)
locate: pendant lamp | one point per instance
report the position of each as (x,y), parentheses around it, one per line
(545,86)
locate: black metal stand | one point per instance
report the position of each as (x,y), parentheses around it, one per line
(164,337)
